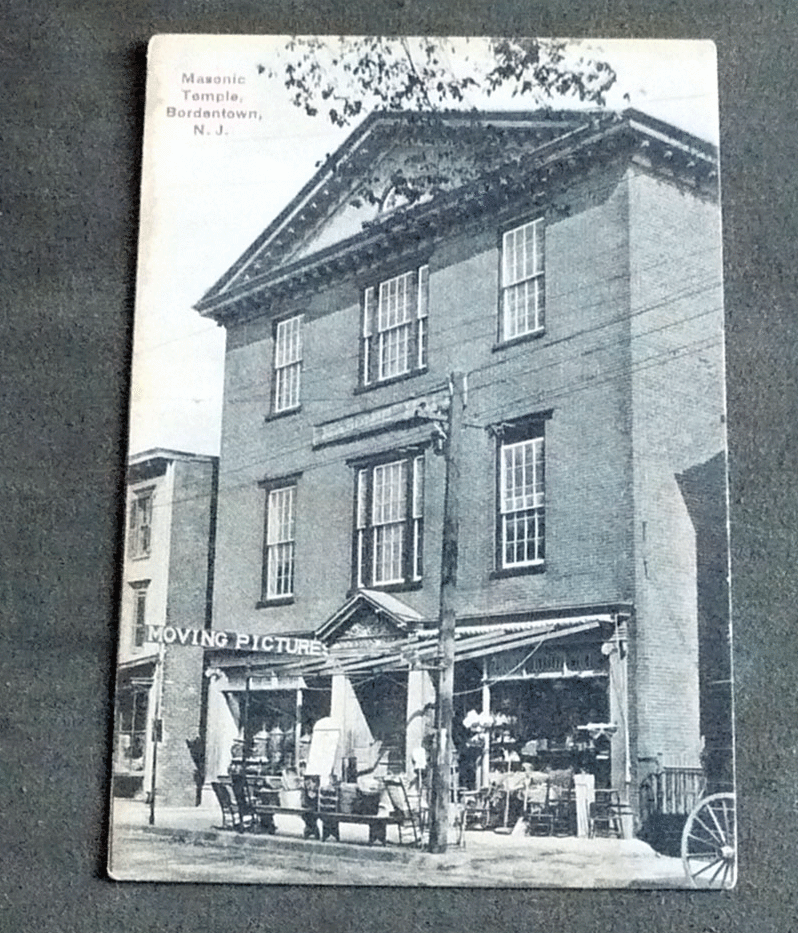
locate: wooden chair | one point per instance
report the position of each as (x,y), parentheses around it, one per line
(560,802)
(402,809)
(537,815)
(247,819)
(603,821)
(539,820)
(229,813)
(475,806)
(605,814)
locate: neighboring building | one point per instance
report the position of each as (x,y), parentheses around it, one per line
(167,579)
(577,284)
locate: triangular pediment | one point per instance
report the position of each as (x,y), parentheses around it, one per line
(365,626)
(369,617)
(461,154)
(329,209)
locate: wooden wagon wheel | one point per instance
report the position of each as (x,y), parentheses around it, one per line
(709,843)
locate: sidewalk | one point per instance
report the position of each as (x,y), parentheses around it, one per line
(185,844)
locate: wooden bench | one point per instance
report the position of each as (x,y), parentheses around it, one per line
(330,820)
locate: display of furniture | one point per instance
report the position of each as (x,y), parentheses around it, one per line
(229,812)
(402,810)
(604,816)
(248,818)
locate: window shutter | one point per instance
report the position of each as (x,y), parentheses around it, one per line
(540,246)
(423,311)
(423,291)
(367,342)
(131,529)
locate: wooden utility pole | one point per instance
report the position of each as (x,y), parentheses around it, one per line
(157,727)
(441,766)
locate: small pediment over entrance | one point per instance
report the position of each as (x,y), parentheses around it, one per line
(368,618)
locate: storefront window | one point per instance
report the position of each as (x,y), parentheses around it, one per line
(132,731)
(536,723)
(267,722)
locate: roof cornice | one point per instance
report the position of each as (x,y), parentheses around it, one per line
(662,147)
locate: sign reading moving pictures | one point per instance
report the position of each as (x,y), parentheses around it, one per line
(237,641)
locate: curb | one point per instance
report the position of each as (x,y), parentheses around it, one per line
(478,869)
(308,847)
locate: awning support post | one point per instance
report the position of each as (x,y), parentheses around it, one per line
(486,713)
(298,728)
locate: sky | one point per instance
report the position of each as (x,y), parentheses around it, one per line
(206,197)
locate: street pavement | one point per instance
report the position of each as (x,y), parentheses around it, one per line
(186,844)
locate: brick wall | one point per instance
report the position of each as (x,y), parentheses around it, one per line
(634,400)
(677,423)
(630,370)
(182,692)
(579,369)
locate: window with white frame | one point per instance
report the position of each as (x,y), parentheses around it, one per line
(394,338)
(523,298)
(287,363)
(279,556)
(139,612)
(140,524)
(521,527)
(389,523)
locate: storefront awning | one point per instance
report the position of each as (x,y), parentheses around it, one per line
(526,625)
(140,663)
(420,649)
(470,644)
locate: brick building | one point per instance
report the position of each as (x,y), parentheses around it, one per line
(577,284)
(167,579)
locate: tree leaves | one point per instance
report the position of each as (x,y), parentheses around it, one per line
(399,73)
(344,78)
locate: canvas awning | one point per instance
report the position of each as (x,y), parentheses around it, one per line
(419,648)
(477,641)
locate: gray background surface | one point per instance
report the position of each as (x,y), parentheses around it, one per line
(70,123)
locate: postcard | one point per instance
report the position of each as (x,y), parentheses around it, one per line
(426,567)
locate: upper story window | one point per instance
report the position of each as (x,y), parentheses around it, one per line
(278,563)
(394,337)
(523,298)
(389,523)
(139,612)
(140,524)
(521,526)
(287,363)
